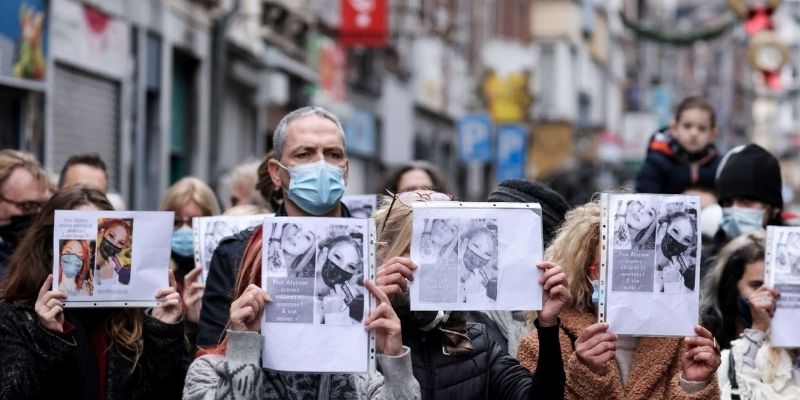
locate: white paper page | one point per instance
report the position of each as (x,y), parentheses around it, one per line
(476,256)
(652,264)
(783,274)
(111,258)
(313,269)
(361,205)
(209,231)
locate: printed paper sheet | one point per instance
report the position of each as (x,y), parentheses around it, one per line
(783,274)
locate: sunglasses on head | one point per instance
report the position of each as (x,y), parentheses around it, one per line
(409,198)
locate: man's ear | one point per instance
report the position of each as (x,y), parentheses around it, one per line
(275,173)
(346,171)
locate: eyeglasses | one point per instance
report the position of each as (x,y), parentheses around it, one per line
(408,198)
(27,207)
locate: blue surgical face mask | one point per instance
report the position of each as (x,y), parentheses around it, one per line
(71,265)
(738,220)
(595,292)
(183,241)
(316,187)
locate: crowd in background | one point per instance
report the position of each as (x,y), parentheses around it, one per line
(203,340)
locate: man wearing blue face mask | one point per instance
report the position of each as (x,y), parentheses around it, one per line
(749,189)
(310,167)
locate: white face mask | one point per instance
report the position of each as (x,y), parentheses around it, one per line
(739,220)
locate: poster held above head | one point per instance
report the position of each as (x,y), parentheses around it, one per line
(209,231)
(782,273)
(650,256)
(476,256)
(314,270)
(111,258)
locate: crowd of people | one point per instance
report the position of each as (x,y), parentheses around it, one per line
(203,340)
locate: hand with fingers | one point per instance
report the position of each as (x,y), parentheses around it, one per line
(170,309)
(49,306)
(595,347)
(555,293)
(762,307)
(388,336)
(702,356)
(246,311)
(393,276)
(193,294)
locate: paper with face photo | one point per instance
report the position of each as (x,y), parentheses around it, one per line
(111,258)
(361,205)
(209,231)
(782,272)
(314,270)
(650,257)
(476,256)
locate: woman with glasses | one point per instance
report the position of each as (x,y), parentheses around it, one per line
(453,358)
(599,363)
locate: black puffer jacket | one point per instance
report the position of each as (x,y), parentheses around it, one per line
(486,373)
(38,364)
(669,169)
(222,274)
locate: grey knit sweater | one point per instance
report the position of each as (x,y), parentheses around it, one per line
(238,376)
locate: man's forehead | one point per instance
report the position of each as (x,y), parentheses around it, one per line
(314,128)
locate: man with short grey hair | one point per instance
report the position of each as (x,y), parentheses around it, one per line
(311,168)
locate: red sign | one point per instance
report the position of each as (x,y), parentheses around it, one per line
(364,23)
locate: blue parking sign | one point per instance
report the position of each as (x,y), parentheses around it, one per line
(512,144)
(475,138)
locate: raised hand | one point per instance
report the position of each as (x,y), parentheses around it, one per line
(701,358)
(193,294)
(556,294)
(595,347)
(762,306)
(170,309)
(388,336)
(246,311)
(49,306)
(393,275)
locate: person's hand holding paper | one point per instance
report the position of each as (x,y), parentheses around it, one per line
(246,311)
(556,294)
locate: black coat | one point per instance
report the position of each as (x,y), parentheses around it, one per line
(39,364)
(669,169)
(220,283)
(488,372)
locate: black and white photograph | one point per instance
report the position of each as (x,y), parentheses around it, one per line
(340,287)
(440,239)
(782,273)
(650,252)
(210,231)
(677,252)
(635,222)
(476,256)
(291,250)
(478,271)
(216,230)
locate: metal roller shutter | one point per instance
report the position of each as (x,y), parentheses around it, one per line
(86,118)
(238,140)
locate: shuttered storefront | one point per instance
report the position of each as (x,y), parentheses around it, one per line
(237,142)
(86,118)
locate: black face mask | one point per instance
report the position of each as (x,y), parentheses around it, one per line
(473,261)
(333,275)
(15,231)
(745,315)
(671,247)
(108,249)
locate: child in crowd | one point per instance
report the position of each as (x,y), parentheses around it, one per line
(682,156)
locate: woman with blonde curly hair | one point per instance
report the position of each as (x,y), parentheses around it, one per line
(105,353)
(600,364)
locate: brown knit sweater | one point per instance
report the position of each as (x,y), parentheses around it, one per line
(655,372)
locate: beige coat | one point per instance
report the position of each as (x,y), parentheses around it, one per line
(655,372)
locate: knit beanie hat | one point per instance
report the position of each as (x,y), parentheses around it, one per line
(521,191)
(750,172)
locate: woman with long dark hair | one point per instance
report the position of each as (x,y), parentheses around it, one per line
(107,353)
